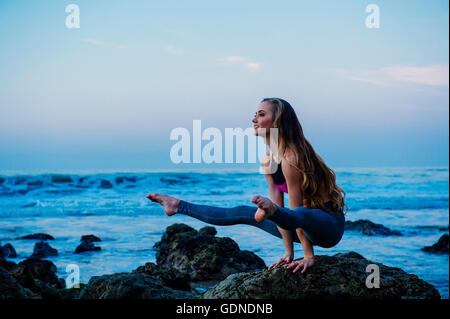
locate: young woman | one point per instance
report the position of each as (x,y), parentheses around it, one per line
(316,203)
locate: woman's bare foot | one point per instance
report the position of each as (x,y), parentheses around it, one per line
(170,203)
(266,208)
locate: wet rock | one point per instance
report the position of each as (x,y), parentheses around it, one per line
(130,286)
(207,231)
(105,184)
(60,179)
(91,238)
(35,183)
(170,277)
(11,289)
(7,251)
(43,270)
(121,179)
(202,255)
(369,228)
(441,247)
(36,276)
(340,276)
(8,265)
(86,246)
(43,250)
(39,236)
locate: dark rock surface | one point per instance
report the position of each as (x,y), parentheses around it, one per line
(59,179)
(369,228)
(170,277)
(130,286)
(105,184)
(441,247)
(86,246)
(202,255)
(7,251)
(11,289)
(342,276)
(91,238)
(121,179)
(43,250)
(39,236)
(33,278)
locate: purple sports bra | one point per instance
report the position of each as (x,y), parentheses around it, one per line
(279,180)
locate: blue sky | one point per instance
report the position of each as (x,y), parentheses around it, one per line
(107,95)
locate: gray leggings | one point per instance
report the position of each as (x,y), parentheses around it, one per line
(321,228)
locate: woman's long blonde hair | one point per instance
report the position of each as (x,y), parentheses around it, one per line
(307,161)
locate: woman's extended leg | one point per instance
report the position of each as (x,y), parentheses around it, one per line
(219,216)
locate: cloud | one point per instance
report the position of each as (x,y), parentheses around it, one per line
(234,59)
(105,44)
(173,50)
(433,75)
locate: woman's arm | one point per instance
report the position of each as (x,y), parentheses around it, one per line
(277,197)
(294,179)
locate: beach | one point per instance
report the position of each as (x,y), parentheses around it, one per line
(411,200)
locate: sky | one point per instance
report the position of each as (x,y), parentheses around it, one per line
(108,94)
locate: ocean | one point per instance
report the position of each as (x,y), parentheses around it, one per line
(112,206)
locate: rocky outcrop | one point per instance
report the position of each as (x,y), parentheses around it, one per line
(170,277)
(60,179)
(105,184)
(441,247)
(7,251)
(342,276)
(87,244)
(43,250)
(130,286)
(33,278)
(369,228)
(203,256)
(91,238)
(39,236)
(11,289)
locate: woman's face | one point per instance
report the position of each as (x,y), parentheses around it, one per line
(263,119)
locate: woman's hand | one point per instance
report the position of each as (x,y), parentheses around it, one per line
(286,258)
(304,263)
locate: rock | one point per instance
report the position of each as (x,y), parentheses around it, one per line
(59,179)
(86,246)
(170,277)
(43,270)
(202,255)
(121,179)
(43,250)
(90,238)
(7,251)
(207,231)
(441,247)
(71,293)
(36,276)
(11,289)
(130,286)
(39,236)
(332,277)
(8,265)
(105,184)
(369,228)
